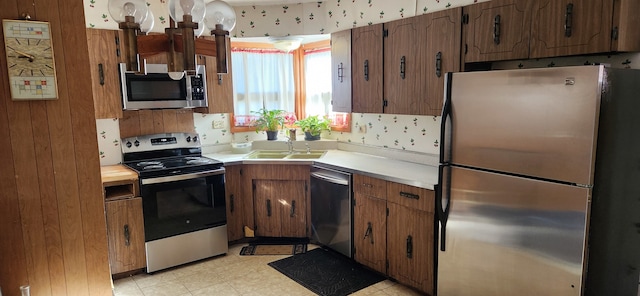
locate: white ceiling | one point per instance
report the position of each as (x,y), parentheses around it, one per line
(265,2)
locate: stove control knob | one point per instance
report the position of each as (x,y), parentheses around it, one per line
(136,143)
(189,139)
(195,138)
(128,144)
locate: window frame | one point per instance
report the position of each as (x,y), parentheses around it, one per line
(298,78)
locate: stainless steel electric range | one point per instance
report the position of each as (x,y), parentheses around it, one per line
(183,198)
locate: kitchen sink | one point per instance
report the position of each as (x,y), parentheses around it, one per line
(284,154)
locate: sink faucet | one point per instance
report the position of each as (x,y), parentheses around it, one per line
(290,145)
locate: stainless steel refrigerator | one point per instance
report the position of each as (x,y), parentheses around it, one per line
(539,189)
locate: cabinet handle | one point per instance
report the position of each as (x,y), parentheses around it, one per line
(409,195)
(231,203)
(403,63)
(409,247)
(268,208)
(367,185)
(496,29)
(219,79)
(293,209)
(369,232)
(439,64)
(340,72)
(101,73)
(366,70)
(127,235)
(568,20)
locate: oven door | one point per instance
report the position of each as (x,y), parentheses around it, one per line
(184,203)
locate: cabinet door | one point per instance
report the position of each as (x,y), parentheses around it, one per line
(280,208)
(626,36)
(219,86)
(125,233)
(442,54)
(267,214)
(235,197)
(497,30)
(370,231)
(294,208)
(104,57)
(402,66)
(571,27)
(366,69)
(341,71)
(410,247)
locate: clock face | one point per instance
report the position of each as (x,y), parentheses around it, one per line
(30,61)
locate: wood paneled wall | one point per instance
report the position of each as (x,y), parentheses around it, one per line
(52,222)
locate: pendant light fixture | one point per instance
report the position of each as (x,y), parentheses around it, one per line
(190,17)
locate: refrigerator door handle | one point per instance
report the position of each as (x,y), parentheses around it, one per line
(443,202)
(445,138)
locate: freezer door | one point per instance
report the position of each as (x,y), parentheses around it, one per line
(538,122)
(508,236)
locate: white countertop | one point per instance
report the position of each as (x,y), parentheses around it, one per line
(404,172)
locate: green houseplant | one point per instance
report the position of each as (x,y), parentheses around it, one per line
(270,121)
(312,126)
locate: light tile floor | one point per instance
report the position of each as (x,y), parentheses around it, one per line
(231,275)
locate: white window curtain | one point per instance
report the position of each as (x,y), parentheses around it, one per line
(262,79)
(317,65)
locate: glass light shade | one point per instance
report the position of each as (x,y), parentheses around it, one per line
(118,9)
(201,28)
(287,43)
(178,8)
(219,12)
(147,25)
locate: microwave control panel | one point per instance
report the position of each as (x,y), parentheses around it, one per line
(197,87)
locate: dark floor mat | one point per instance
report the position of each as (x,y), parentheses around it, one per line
(326,272)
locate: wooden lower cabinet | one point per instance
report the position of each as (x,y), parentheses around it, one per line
(279,195)
(393,230)
(370,231)
(234,201)
(125,232)
(410,245)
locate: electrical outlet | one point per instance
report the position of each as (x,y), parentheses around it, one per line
(362,129)
(217,124)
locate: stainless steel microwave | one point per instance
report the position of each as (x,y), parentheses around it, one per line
(157,90)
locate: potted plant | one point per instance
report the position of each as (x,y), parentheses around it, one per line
(312,126)
(270,121)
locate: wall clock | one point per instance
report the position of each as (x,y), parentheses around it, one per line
(30,62)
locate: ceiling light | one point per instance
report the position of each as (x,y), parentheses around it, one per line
(189,15)
(287,43)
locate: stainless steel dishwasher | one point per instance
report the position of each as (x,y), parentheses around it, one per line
(331,209)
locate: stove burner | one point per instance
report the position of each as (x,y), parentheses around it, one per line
(149,163)
(198,161)
(154,166)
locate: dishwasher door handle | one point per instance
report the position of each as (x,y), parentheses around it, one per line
(330,178)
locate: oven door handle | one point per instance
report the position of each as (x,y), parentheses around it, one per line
(149,181)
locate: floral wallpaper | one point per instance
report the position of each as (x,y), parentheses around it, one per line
(322,17)
(108,131)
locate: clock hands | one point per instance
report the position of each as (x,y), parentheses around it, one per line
(24,55)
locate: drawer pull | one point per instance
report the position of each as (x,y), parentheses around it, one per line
(409,195)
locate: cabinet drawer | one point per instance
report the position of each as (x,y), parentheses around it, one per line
(370,186)
(411,197)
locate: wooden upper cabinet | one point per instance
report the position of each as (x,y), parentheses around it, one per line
(563,27)
(625,35)
(341,71)
(402,66)
(441,54)
(366,69)
(104,59)
(497,30)
(219,86)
